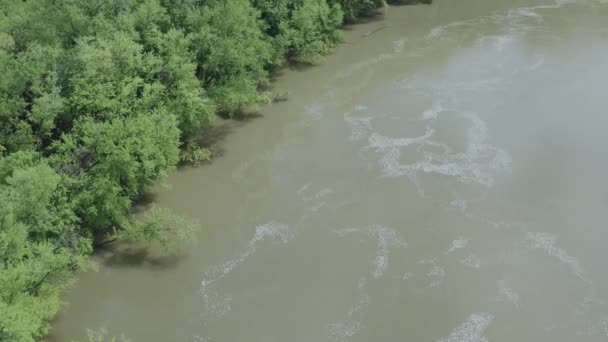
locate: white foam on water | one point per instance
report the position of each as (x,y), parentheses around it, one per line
(398,45)
(547,243)
(317,199)
(362,283)
(596,326)
(460,204)
(323,193)
(359,126)
(315,111)
(528,12)
(317,206)
(379,142)
(556,4)
(219,271)
(604,321)
(441,31)
(408,275)
(216,304)
(342,331)
(507,294)
(501,42)
(271,230)
(476,165)
(593,309)
(386,239)
(436,273)
(498,42)
(219,305)
(303,188)
(390,163)
(513,15)
(539,63)
(438,31)
(389,148)
(458,243)
(471,330)
(471,260)
(594,329)
(433,112)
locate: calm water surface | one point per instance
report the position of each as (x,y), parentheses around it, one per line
(441,177)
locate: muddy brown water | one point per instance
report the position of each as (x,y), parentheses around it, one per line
(443,178)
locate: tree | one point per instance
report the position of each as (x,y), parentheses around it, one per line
(231,52)
(159,224)
(354,9)
(184,93)
(302,30)
(40,245)
(115,161)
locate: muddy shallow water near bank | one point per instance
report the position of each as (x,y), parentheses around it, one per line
(440,179)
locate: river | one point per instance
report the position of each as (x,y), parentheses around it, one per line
(441,177)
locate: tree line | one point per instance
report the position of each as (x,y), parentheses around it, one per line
(101,99)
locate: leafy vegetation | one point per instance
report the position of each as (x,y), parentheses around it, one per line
(354,9)
(99,101)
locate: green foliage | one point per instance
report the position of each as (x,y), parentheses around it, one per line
(99,100)
(40,245)
(303,30)
(313,30)
(185,96)
(113,162)
(231,51)
(159,224)
(358,8)
(194,154)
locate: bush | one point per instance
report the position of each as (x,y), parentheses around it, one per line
(302,30)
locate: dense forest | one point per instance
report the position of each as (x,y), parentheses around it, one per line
(100,99)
